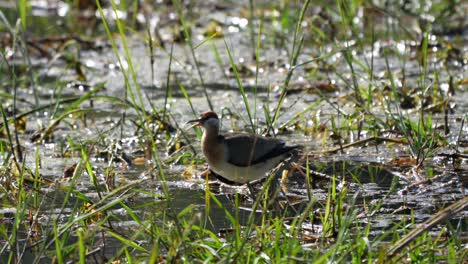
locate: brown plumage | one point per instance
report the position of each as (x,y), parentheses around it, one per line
(239,157)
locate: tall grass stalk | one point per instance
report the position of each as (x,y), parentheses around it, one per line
(6,128)
(15,148)
(99,207)
(166,95)
(23,7)
(188,38)
(257,65)
(128,85)
(142,113)
(241,88)
(58,246)
(20,215)
(128,58)
(81,246)
(420,133)
(347,14)
(297,44)
(219,61)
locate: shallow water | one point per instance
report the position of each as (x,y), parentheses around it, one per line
(371,174)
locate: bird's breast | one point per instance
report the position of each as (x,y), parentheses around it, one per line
(215,153)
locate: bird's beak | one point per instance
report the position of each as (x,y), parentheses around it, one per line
(197,122)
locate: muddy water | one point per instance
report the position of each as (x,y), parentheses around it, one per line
(372,175)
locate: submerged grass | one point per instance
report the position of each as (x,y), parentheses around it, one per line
(114,218)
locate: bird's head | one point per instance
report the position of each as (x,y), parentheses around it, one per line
(208,120)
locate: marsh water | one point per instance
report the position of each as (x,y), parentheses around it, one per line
(70,64)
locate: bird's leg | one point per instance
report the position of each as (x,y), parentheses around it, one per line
(252,191)
(206,173)
(284,165)
(273,185)
(312,173)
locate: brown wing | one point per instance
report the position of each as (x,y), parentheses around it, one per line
(245,150)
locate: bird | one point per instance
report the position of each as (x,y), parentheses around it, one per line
(239,158)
